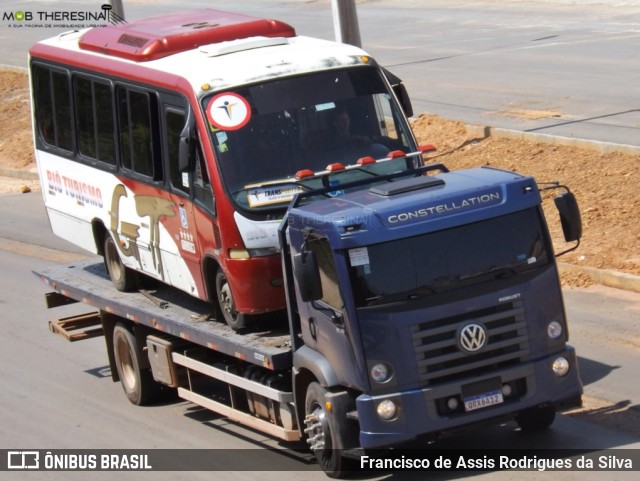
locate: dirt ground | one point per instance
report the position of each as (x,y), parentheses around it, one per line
(604,184)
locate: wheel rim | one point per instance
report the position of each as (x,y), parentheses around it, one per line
(317,429)
(226,300)
(113,261)
(125,361)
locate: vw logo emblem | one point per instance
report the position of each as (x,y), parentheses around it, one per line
(472,337)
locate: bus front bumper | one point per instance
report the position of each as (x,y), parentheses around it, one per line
(257,284)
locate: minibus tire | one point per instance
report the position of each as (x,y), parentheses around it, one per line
(236,320)
(123,278)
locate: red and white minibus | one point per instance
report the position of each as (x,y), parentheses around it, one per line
(173,145)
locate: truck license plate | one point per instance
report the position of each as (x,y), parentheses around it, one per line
(483,400)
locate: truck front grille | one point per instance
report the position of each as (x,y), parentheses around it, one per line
(440,358)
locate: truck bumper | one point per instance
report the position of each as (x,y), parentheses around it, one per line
(424,412)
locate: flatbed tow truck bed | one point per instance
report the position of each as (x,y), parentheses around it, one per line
(165,309)
(252,392)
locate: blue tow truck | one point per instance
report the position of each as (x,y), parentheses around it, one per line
(419,303)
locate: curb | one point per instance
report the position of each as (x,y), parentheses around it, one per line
(605,277)
(18,174)
(13,68)
(483,131)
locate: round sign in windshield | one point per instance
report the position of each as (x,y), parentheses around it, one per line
(228,111)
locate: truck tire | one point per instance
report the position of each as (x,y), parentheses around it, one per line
(123,278)
(138,384)
(236,320)
(536,419)
(323,433)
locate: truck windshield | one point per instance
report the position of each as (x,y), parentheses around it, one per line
(265,133)
(412,268)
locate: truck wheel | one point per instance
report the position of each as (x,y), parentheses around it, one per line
(536,419)
(236,320)
(322,433)
(122,277)
(137,383)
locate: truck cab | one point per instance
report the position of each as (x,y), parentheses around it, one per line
(427,303)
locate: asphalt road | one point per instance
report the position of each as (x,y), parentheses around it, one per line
(572,63)
(58,395)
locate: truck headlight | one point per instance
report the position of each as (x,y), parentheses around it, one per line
(560,366)
(387,410)
(380,372)
(554,330)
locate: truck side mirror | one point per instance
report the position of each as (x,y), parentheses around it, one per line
(187,144)
(570,219)
(307,275)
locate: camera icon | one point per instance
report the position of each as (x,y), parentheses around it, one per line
(23,460)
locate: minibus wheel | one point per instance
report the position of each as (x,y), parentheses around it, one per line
(236,320)
(122,277)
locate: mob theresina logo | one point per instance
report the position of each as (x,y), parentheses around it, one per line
(72,18)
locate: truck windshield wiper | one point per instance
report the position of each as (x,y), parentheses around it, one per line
(498,271)
(411,295)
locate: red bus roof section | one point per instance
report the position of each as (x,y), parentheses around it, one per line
(157,37)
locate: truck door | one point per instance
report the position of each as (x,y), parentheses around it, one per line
(323,323)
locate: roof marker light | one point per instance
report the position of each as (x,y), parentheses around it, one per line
(301,174)
(396,154)
(335,167)
(425,148)
(366,160)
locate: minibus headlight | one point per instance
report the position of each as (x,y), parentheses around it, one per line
(249,253)
(238,254)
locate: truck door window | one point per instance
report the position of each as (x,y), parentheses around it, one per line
(328,277)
